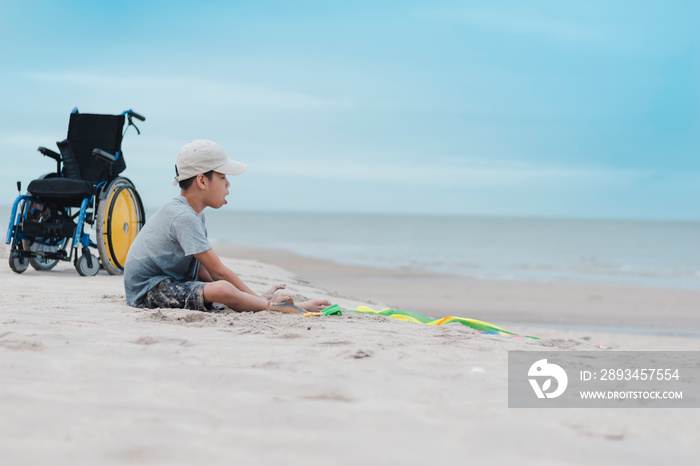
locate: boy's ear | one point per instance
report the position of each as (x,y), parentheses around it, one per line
(200,181)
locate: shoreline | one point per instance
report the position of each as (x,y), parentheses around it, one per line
(602,307)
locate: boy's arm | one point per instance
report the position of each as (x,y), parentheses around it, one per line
(218,271)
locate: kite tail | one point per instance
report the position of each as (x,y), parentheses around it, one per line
(410,316)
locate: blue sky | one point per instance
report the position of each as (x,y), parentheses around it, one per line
(559,109)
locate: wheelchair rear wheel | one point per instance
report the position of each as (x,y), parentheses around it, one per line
(120,216)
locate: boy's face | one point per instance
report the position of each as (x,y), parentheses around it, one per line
(217,190)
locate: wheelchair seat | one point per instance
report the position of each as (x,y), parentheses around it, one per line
(86,177)
(62,191)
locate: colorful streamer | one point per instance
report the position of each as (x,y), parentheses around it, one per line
(410,316)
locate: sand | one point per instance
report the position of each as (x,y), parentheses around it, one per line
(86,379)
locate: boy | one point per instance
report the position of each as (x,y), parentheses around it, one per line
(172,264)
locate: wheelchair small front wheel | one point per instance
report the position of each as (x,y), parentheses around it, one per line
(85,267)
(120,217)
(18,263)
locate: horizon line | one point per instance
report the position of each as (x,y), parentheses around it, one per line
(496,216)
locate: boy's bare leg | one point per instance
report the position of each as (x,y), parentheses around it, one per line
(314,305)
(225,293)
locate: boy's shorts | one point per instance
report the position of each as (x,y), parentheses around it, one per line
(173,294)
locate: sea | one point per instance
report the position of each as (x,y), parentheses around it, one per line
(659,254)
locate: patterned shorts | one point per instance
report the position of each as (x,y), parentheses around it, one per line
(173,294)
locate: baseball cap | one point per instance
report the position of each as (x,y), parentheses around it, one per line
(201,156)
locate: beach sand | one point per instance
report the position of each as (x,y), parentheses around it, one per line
(86,379)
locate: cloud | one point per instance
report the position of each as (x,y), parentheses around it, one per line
(453,173)
(212,92)
(517,20)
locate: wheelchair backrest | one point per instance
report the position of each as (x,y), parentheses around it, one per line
(87,131)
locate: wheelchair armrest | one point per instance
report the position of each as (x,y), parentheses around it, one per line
(50,153)
(104,156)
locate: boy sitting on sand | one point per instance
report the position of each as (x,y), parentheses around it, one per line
(171,263)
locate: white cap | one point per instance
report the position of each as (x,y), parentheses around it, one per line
(201,156)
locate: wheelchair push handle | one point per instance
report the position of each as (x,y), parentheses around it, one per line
(131,113)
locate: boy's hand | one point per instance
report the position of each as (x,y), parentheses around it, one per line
(269,293)
(281,297)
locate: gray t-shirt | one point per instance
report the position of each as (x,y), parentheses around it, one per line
(164,248)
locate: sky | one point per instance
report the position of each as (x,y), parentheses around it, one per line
(490,108)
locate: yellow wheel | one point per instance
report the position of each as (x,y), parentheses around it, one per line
(120,217)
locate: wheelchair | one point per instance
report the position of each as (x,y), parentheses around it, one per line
(50,222)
